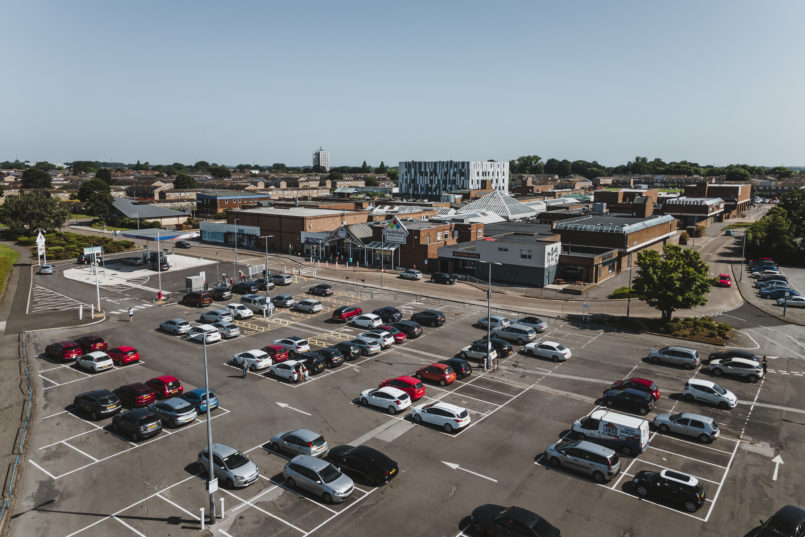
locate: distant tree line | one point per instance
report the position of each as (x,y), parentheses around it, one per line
(781,233)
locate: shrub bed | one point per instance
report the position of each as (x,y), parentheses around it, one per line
(67,245)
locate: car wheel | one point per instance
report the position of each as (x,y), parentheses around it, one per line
(463,355)
(327,498)
(442,382)
(417,419)
(626,450)
(609,403)
(364,401)
(418,375)
(581,436)
(688,366)
(275,447)
(448,428)
(271,373)
(520,342)
(253,368)
(555,462)
(392,409)
(717,372)
(555,358)
(479,528)
(229,483)
(664,428)
(690,506)
(705,439)
(643,411)
(94,415)
(688,398)
(642,491)
(752,378)
(723,405)
(598,477)
(135,436)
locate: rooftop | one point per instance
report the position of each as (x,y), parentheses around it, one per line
(611,224)
(501,204)
(231,194)
(693,201)
(134,209)
(293,211)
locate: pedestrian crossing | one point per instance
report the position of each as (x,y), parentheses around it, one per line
(125,311)
(44,299)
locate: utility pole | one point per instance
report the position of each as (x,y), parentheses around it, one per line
(629,289)
(235,261)
(743,256)
(268,272)
(212,482)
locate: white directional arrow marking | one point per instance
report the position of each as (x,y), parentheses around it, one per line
(286,405)
(455,466)
(778,460)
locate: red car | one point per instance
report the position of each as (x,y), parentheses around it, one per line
(165,386)
(64,350)
(441,373)
(278,353)
(413,387)
(136,395)
(724,280)
(92,343)
(644,385)
(399,335)
(124,355)
(345,313)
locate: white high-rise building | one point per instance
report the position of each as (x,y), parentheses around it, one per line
(432,179)
(321,158)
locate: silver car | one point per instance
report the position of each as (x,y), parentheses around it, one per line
(47,269)
(308,305)
(219,315)
(518,333)
(739,367)
(299,442)
(229,465)
(174,412)
(318,477)
(695,425)
(175,326)
(497,321)
(368,347)
(687,358)
(582,456)
(534,322)
(227,330)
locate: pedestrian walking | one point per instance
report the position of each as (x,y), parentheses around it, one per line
(243,369)
(764,364)
(131,314)
(305,372)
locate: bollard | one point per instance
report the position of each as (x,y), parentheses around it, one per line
(80,311)
(92,310)
(222,507)
(202,519)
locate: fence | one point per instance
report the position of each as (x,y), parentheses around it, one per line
(19,444)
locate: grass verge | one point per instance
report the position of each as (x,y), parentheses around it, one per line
(8,256)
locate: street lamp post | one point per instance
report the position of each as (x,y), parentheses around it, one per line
(217,271)
(211,474)
(235,260)
(743,257)
(487,362)
(629,289)
(265,238)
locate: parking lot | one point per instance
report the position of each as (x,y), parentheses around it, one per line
(86,480)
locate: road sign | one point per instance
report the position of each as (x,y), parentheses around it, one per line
(40,239)
(212,485)
(92,250)
(395,231)
(256,269)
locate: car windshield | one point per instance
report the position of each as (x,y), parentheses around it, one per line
(418,385)
(560,347)
(718,389)
(236,460)
(329,473)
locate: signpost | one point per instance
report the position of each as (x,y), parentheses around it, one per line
(40,249)
(395,233)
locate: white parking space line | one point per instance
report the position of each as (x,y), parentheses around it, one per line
(129,527)
(53,415)
(43,470)
(272,515)
(673,510)
(487,389)
(253,498)
(685,457)
(701,445)
(292,491)
(340,512)
(176,505)
(43,377)
(464,395)
(79,451)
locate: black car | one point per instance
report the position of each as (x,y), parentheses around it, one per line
(733,353)
(429,317)
(262,282)
(365,463)
(443,277)
(411,329)
(388,314)
(333,357)
(503,347)
(92,343)
(243,288)
(350,351)
(137,424)
(669,486)
(221,292)
(789,521)
(499,521)
(461,366)
(87,259)
(314,361)
(323,289)
(97,403)
(133,261)
(629,399)
(183,244)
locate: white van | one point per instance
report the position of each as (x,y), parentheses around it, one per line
(626,434)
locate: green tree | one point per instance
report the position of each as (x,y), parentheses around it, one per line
(99,204)
(365,167)
(201,166)
(774,235)
(36,178)
(552,166)
(393,173)
(83,166)
(105,175)
(220,172)
(278,167)
(45,166)
(737,174)
(382,168)
(24,213)
(674,279)
(794,205)
(319,169)
(565,168)
(782,172)
(93,185)
(371,181)
(639,166)
(335,176)
(184,182)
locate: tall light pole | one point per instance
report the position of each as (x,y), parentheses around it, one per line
(235,261)
(211,475)
(743,256)
(159,264)
(629,289)
(487,362)
(217,271)
(265,238)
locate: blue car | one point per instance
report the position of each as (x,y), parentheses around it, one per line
(198,399)
(778,293)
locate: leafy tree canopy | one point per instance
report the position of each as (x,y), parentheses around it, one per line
(24,213)
(93,185)
(105,175)
(36,178)
(371,181)
(220,172)
(675,279)
(334,175)
(737,174)
(183,182)
(83,166)
(381,168)
(44,166)
(527,164)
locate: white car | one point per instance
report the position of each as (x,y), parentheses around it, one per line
(367,320)
(295,345)
(94,361)
(239,311)
(308,305)
(202,332)
(385,339)
(257,304)
(448,417)
(392,400)
(175,326)
(709,392)
(497,321)
(411,274)
(254,359)
(220,315)
(551,350)
(793,302)
(285,370)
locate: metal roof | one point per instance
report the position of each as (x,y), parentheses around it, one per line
(611,224)
(694,201)
(134,210)
(500,204)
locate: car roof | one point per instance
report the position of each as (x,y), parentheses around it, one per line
(552,343)
(701,382)
(68,343)
(447,406)
(699,417)
(314,463)
(740,360)
(305,434)
(256,352)
(124,348)
(523,515)
(174,402)
(199,391)
(592,447)
(97,354)
(788,516)
(675,348)
(635,392)
(165,378)
(275,346)
(723,275)
(205,327)
(406,378)
(520,326)
(679,477)
(97,392)
(222,450)
(177,320)
(391,390)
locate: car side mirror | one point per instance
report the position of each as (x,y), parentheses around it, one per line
(318,481)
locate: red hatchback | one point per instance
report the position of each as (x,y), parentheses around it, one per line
(92,343)
(724,280)
(124,355)
(165,386)
(644,385)
(64,350)
(278,353)
(399,336)
(441,373)
(345,313)
(136,395)
(413,387)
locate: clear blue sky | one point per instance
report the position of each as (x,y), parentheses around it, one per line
(717,81)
